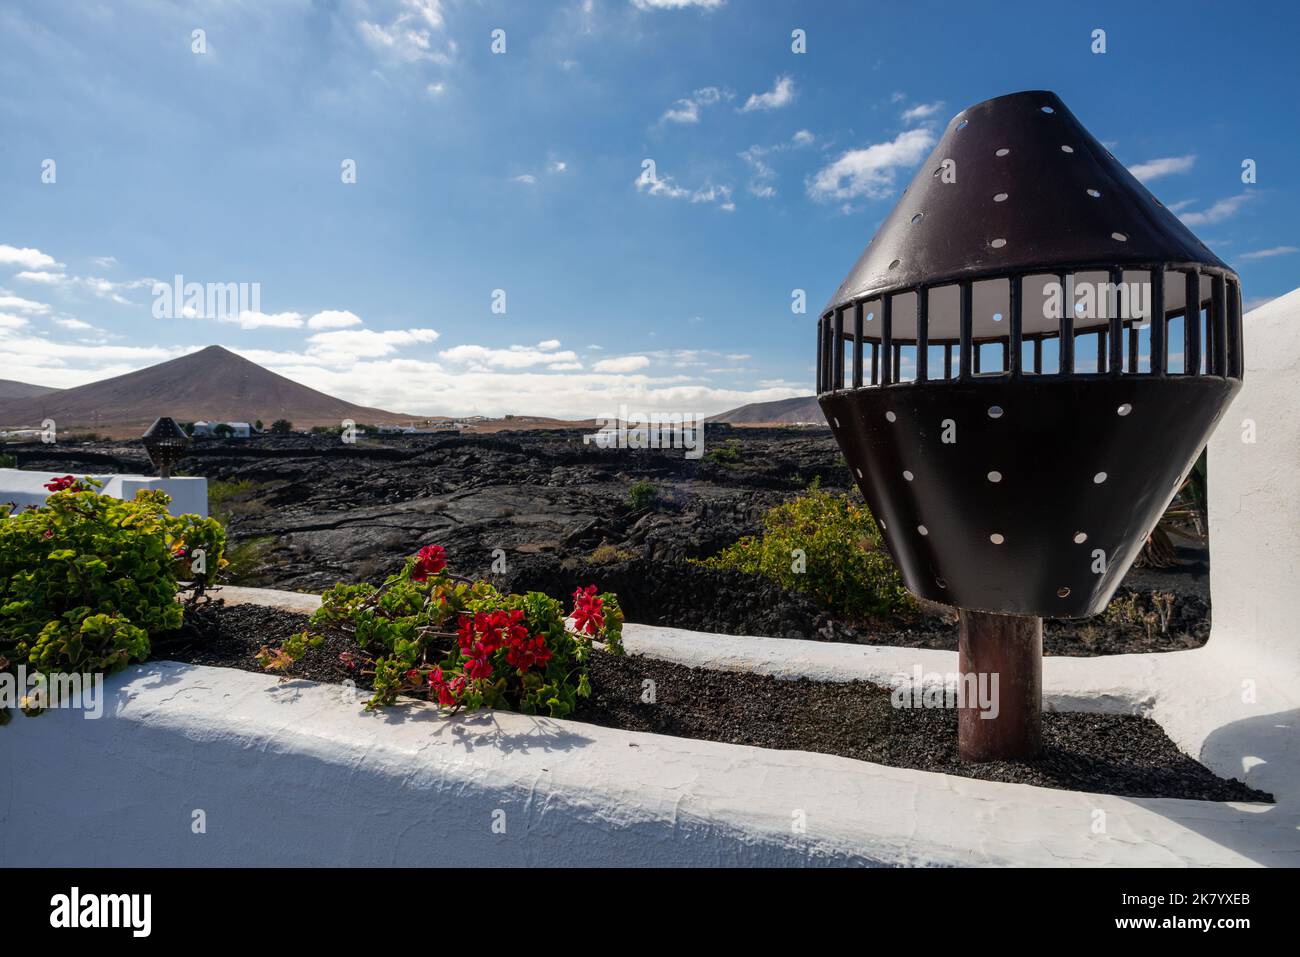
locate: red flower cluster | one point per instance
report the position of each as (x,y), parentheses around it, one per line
(448,691)
(486,633)
(430,560)
(61,484)
(588,610)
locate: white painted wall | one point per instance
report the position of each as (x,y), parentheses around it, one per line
(295,773)
(189,495)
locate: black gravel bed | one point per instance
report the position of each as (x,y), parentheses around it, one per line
(1124,755)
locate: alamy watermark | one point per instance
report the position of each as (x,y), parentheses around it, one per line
(650,430)
(933,689)
(38,691)
(205,300)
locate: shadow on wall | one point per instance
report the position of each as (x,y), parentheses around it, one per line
(1267,749)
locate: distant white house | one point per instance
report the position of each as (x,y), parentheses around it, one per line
(239,430)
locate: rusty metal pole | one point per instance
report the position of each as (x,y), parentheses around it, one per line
(1005,654)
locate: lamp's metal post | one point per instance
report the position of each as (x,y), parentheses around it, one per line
(1005,655)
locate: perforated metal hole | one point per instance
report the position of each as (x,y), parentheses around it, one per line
(1124,409)
(995,477)
(836,421)
(1080,537)
(1119,237)
(995,412)
(1002,152)
(891,417)
(908,475)
(917,218)
(998,243)
(1066,148)
(997,317)
(1048,109)
(963,124)
(1000,198)
(895,264)
(923,530)
(1063,592)
(1099,478)
(1094,193)
(996,538)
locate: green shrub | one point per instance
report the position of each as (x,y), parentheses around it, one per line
(463,643)
(85,579)
(642,494)
(823,544)
(728,453)
(8,461)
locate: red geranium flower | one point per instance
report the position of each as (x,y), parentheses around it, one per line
(588,610)
(61,484)
(446,691)
(529,652)
(430,560)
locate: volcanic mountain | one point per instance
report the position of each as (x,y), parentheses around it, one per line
(212,384)
(9,389)
(801,410)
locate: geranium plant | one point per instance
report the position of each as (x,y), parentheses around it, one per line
(461,643)
(85,578)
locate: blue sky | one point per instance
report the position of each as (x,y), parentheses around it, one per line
(522,171)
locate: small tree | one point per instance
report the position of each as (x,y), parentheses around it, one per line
(258,425)
(281,427)
(222,430)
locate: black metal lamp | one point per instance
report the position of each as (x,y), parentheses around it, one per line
(166,442)
(998,373)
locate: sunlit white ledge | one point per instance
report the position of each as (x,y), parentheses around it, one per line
(295,773)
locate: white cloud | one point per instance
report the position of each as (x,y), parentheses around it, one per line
(408,38)
(98,286)
(556,166)
(104,262)
(436,89)
(333,319)
(802,138)
(20,304)
(622,364)
(677,4)
(75,325)
(870,171)
(514,357)
(264,320)
(922,111)
(1154,169)
(527,179)
(348,368)
(9,321)
(27,258)
(350,344)
(649,182)
(1270,252)
(687,109)
(1217,211)
(45,278)
(782,94)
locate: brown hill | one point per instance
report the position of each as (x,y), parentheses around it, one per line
(9,389)
(801,410)
(212,384)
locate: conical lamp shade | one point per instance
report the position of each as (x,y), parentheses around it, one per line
(1012,368)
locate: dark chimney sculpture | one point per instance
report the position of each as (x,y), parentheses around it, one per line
(166,442)
(998,373)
